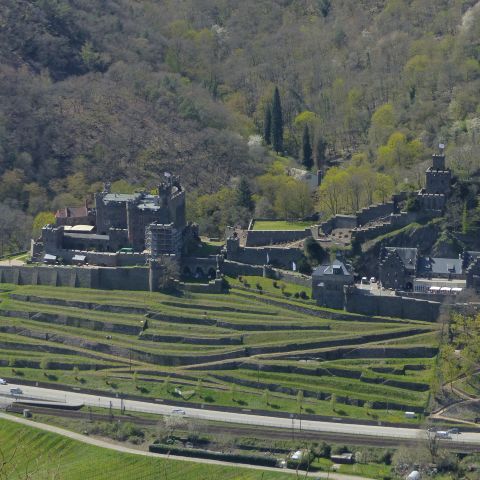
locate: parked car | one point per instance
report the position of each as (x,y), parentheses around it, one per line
(16,391)
(3,381)
(364,281)
(373,280)
(178,411)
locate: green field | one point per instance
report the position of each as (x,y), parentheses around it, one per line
(248,348)
(47,456)
(280,225)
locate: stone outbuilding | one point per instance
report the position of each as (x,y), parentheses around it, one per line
(328,282)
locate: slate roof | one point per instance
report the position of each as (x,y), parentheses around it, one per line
(407,255)
(335,268)
(440,266)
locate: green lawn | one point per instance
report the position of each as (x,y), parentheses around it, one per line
(45,456)
(280,225)
(268,285)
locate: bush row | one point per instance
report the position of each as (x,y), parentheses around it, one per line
(227,457)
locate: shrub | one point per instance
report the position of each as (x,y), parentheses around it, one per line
(228,457)
(303,295)
(259,287)
(275,284)
(323,450)
(303,463)
(339,449)
(296,295)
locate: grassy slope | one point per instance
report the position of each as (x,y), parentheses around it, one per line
(236,309)
(47,453)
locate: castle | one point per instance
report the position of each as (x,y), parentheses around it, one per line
(437,185)
(122,229)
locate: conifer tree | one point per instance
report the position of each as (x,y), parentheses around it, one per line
(465,219)
(307,159)
(244,195)
(320,148)
(277,122)
(267,126)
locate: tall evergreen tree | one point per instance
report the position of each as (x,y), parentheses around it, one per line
(307,158)
(320,149)
(244,195)
(277,122)
(267,126)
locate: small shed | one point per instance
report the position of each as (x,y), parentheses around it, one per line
(79,259)
(48,258)
(342,458)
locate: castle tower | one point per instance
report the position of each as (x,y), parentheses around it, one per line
(438,177)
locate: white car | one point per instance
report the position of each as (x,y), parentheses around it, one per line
(3,381)
(178,411)
(442,434)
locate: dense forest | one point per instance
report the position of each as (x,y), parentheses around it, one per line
(122,90)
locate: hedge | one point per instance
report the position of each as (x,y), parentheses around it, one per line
(227,457)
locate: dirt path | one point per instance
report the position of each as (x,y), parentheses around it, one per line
(120,448)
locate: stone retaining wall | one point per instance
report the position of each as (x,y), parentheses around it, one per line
(320,395)
(78,322)
(340,353)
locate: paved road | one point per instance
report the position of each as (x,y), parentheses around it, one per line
(241,418)
(120,448)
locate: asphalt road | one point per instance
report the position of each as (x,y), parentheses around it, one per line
(239,418)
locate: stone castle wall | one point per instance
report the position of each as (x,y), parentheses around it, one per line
(258,256)
(394,222)
(392,306)
(134,278)
(235,268)
(257,238)
(374,212)
(106,259)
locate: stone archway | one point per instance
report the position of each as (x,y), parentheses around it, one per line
(212,273)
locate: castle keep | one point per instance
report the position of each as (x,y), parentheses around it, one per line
(123,229)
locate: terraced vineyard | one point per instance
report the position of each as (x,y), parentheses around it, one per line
(43,455)
(253,350)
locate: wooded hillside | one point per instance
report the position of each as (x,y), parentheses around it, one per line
(94,90)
